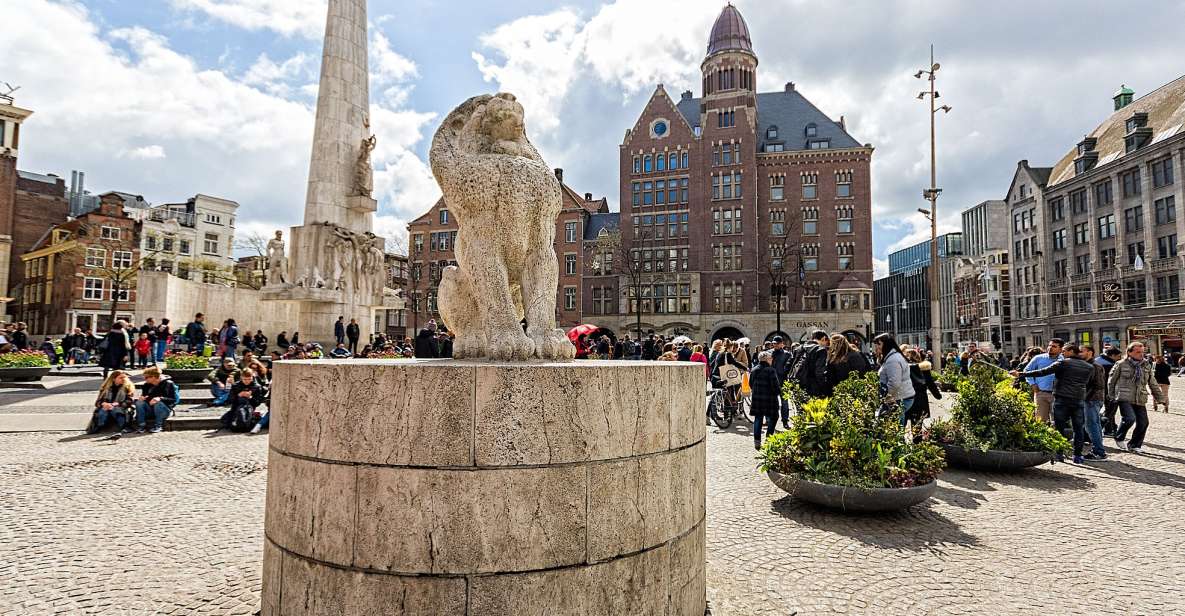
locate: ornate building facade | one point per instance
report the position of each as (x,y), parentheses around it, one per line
(745,213)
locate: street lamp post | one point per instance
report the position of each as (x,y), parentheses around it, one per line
(931,194)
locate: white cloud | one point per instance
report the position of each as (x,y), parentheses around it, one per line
(288,17)
(147,152)
(387,65)
(880,268)
(226,134)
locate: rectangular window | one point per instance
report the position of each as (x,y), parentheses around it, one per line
(1135,293)
(150,242)
(1060,269)
(715,187)
(809,191)
(1106,226)
(637,188)
(1134,249)
(92,288)
(726,155)
(417,244)
(810,264)
(121,259)
(444,217)
(1168,289)
(1166,210)
(726,186)
(211,244)
(1056,210)
(683,190)
(569,298)
(1131,182)
(1162,172)
(167,244)
(1166,246)
(1082,233)
(810,221)
(1059,239)
(570,232)
(1082,264)
(109,233)
(443,242)
(777,185)
(1102,194)
(1107,258)
(96,257)
(737,183)
(1133,219)
(843,190)
(1078,201)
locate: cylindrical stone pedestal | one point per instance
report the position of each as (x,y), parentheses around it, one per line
(485,489)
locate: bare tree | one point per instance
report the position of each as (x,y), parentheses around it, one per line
(118,264)
(782,265)
(609,246)
(256,244)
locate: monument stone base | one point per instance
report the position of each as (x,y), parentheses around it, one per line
(485,489)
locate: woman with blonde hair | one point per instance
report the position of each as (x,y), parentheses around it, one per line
(116,397)
(843,360)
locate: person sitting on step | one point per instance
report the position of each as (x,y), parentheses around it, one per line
(159,397)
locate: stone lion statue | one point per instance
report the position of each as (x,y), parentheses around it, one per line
(505,199)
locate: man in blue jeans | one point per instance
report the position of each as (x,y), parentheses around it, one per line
(1072,376)
(162,340)
(1096,391)
(159,397)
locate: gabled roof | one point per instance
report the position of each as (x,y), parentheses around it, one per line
(601,221)
(791,113)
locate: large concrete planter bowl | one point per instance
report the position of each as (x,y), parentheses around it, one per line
(187,375)
(23,375)
(853,499)
(993,459)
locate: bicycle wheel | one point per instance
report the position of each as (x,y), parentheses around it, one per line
(720,415)
(743,407)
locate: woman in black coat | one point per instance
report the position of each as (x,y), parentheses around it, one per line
(115,348)
(843,361)
(920,375)
(767,393)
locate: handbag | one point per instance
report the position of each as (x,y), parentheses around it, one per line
(730,374)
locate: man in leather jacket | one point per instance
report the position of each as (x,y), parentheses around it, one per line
(1073,376)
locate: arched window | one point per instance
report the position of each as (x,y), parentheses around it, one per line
(661,163)
(685,160)
(646,164)
(674,161)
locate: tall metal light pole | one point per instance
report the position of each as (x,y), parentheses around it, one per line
(931,194)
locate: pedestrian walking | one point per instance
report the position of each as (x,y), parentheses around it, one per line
(922,379)
(195,334)
(1110,405)
(1096,395)
(163,334)
(767,391)
(114,348)
(353,333)
(843,360)
(143,348)
(1071,375)
(1162,371)
(230,339)
(1130,383)
(894,377)
(808,367)
(339,330)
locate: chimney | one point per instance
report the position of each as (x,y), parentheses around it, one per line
(789,86)
(74,182)
(687,95)
(588,196)
(559,174)
(82,182)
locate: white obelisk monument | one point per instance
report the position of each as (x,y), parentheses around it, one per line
(336,263)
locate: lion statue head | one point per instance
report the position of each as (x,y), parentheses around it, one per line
(485,124)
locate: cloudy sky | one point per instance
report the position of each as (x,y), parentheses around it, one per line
(168,98)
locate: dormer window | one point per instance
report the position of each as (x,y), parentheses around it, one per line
(771,132)
(818,144)
(1138,132)
(812,130)
(1138,120)
(1086,145)
(1087,157)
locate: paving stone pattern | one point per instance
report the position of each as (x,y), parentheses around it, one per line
(172,524)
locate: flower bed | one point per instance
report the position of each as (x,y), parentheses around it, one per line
(23,366)
(385,355)
(186,367)
(991,416)
(840,442)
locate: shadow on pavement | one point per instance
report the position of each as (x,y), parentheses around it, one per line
(917,529)
(1136,474)
(1041,478)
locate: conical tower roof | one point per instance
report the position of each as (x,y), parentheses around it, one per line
(730,32)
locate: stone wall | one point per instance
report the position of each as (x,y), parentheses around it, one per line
(159,294)
(480,488)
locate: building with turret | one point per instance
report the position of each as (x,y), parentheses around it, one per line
(743,213)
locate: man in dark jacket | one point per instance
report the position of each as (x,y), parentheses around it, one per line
(648,351)
(1110,407)
(195,333)
(74,347)
(767,390)
(426,342)
(1096,392)
(339,330)
(19,337)
(809,365)
(245,396)
(159,396)
(781,364)
(1072,376)
(353,333)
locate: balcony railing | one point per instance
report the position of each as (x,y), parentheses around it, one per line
(1080,278)
(184,219)
(1105,274)
(1164,265)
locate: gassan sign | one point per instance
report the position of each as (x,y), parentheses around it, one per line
(1149,332)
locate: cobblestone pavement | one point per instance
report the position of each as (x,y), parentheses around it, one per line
(172,524)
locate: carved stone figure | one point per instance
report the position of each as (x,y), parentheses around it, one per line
(277,262)
(364,173)
(506,200)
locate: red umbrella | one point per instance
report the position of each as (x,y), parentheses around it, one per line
(580,330)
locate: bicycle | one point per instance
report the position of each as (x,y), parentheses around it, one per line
(724,405)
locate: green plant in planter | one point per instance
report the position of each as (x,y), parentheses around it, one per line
(845,440)
(385,355)
(992,413)
(24,359)
(949,377)
(186,361)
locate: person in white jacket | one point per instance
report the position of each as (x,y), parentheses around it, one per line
(894,376)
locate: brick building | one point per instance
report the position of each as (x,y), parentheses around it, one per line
(394,321)
(724,194)
(1096,239)
(431,238)
(69,277)
(30,203)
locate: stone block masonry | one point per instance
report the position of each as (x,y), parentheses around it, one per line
(485,489)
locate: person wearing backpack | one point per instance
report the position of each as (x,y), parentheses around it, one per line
(809,367)
(245,396)
(160,397)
